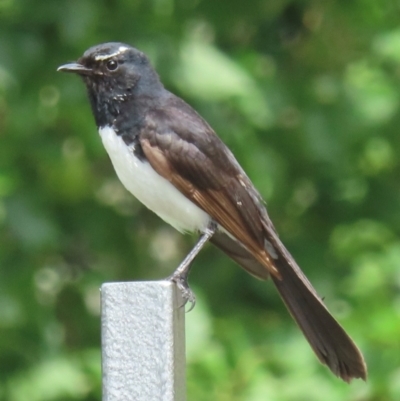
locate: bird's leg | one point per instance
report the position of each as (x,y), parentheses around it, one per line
(180,275)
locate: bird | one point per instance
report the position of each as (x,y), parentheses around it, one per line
(172,161)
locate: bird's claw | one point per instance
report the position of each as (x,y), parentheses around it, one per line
(186,292)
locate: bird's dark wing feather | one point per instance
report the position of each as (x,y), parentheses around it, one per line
(182,148)
(209,175)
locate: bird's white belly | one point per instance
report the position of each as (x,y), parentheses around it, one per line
(154,191)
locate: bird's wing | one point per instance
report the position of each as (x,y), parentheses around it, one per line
(184,149)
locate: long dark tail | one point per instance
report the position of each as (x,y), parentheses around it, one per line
(327,338)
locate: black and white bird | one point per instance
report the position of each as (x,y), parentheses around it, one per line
(172,161)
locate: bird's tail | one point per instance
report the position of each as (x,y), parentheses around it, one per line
(327,338)
(330,342)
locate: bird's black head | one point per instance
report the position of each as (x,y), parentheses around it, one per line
(115,74)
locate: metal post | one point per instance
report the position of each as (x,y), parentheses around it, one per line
(143,342)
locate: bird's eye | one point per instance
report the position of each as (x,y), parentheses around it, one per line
(112,65)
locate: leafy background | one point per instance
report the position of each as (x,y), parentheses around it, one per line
(305,93)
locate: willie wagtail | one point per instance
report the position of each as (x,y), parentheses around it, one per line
(171,160)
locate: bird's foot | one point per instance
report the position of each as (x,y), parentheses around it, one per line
(181,281)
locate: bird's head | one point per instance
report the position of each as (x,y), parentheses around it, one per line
(114,73)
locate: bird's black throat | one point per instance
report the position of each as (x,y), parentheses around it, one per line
(107,100)
(119,109)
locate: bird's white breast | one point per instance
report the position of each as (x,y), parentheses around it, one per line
(154,191)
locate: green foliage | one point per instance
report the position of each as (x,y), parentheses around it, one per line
(305,93)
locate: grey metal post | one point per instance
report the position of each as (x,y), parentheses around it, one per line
(143,342)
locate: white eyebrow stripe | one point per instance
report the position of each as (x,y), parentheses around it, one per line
(101,57)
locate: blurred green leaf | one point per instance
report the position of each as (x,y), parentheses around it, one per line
(374,97)
(208,73)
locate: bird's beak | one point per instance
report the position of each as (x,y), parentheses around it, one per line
(75,68)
